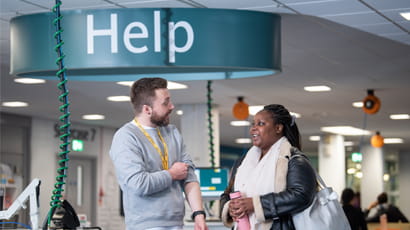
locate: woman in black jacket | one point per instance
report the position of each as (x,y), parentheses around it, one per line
(274,185)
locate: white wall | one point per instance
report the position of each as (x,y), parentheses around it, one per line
(44,150)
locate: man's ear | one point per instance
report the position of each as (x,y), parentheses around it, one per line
(147,109)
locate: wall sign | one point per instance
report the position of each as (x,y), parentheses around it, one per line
(80,134)
(124,44)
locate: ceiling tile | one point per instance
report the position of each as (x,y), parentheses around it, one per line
(329,8)
(387,5)
(19,6)
(153,4)
(355,20)
(395,14)
(236,4)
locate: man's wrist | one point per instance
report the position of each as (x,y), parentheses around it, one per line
(196,213)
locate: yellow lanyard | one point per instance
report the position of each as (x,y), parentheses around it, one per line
(164,157)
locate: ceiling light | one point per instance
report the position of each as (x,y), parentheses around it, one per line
(125,83)
(180,112)
(118,98)
(345,130)
(358,104)
(351,171)
(349,143)
(14,104)
(254,109)
(240,123)
(317,88)
(393,140)
(29,81)
(297,115)
(406,15)
(314,138)
(174,85)
(399,116)
(171,85)
(93,117)
(359,174)
(386,177)
(243,140)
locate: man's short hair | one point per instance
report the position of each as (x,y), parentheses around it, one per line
(382,198)
(143,92)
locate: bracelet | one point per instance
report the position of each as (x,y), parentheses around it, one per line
(196,213)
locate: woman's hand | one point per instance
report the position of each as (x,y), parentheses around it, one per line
(240,207)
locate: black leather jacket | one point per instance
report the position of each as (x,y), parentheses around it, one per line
(301,187)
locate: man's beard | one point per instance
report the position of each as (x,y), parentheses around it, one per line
(160,120)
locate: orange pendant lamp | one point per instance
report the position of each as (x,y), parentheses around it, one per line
(240,110)
(377,140)
(371,103)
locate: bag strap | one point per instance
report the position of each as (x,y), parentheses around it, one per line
(319,179)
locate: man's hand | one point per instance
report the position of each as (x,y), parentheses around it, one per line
(200,223)
(178,171)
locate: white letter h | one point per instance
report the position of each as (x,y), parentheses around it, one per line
(91,33)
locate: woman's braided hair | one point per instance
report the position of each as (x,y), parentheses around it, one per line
(282,116)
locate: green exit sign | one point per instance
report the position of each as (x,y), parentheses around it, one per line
(356,157)
(77,145)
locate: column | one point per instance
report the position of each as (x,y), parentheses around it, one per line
(194,129)
(332,166)
(372,180)
(404,183)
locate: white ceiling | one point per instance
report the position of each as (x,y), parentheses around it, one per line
(349,45)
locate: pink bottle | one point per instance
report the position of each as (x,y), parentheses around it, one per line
(243,223)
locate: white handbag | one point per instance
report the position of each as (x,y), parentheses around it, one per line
(325,212)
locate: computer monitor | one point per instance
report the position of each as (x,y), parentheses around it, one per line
(212,181)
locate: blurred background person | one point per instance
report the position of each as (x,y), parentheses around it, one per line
(353,214)
(383,207)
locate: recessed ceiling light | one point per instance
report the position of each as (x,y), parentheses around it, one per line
(386,177)
(406,15)
(254,109)
(93,117)
(125,83)
(29,81)
(348,143)
(358,104)
(118,98)
(180,112)
(14,104)
(393,140)
(171,85)
(243,140)
(399,116)
(314,138)
(240,123)
(317,88)
(297,115)
(351,171)
(174,85)
(358,174)
(345,130)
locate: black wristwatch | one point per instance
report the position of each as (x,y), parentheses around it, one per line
(196,213)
